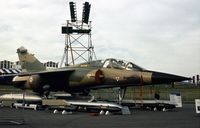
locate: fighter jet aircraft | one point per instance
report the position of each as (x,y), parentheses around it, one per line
(83,77)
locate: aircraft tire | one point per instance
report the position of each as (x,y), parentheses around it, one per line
(155,109)
(163,109)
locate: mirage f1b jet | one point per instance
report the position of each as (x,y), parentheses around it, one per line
(83,77)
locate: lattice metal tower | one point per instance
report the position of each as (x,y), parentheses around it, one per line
(78,42)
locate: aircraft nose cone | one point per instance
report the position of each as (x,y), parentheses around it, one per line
(161,78)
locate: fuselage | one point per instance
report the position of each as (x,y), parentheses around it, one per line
(83,77)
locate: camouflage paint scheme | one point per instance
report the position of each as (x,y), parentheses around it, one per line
(86,76)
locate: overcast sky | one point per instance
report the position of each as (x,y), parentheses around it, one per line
(162,35)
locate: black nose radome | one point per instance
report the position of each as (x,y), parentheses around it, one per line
(162,78)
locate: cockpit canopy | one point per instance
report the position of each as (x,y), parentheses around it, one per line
(113,63)
(120,64)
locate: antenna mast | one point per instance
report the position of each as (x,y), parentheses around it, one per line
(78,42)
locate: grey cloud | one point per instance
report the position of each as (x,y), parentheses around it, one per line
(161,34)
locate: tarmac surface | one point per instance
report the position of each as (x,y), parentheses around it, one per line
(178,118)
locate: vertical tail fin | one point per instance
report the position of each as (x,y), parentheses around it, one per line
(29,62)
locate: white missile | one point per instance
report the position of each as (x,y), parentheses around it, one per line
(26,97)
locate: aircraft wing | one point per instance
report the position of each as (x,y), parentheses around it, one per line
(59,74)
(6,79)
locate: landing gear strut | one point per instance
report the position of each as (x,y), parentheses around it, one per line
(46,89)
(121,94)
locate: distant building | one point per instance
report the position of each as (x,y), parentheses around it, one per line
(196,80)
(16,65)
(8,67)
(6,64)
(9,71)
(51,65)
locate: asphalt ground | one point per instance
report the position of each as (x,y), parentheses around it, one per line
(178,118)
